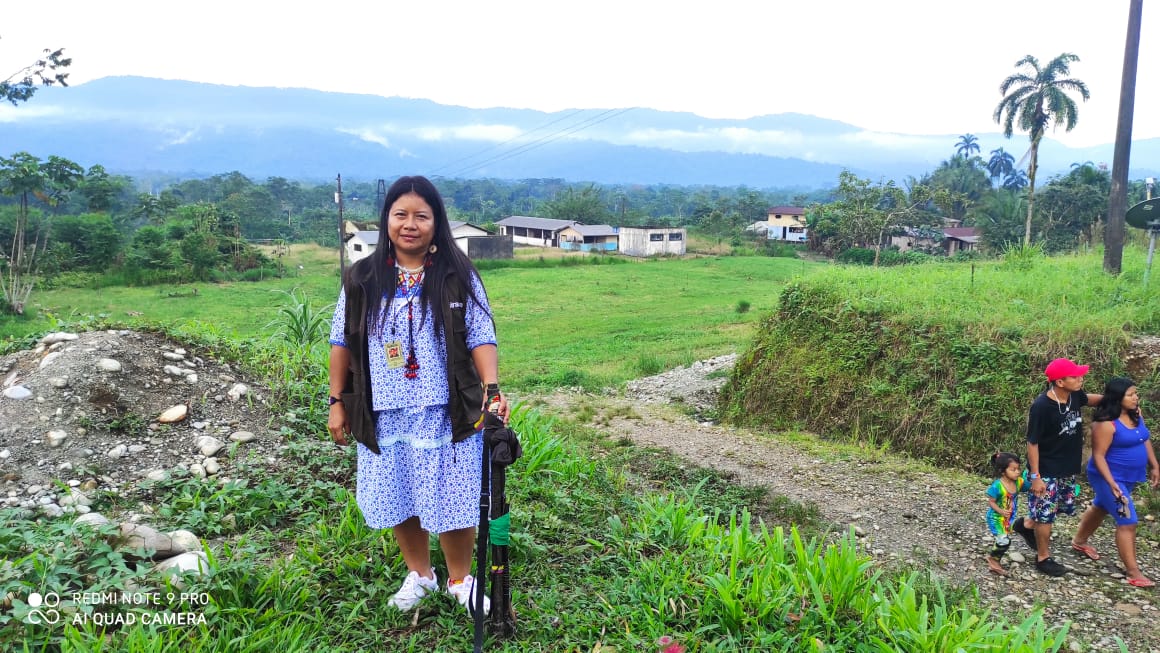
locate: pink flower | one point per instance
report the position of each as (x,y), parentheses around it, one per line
(673,648)
(664,640)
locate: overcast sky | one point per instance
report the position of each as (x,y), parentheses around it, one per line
(901,66)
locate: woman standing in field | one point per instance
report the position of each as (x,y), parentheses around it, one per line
(1122,454)
(412,343)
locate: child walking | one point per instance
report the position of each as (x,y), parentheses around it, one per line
(1003,499)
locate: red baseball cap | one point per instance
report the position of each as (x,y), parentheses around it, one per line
(1064,367)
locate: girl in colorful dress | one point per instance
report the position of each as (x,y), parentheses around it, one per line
(1003,502)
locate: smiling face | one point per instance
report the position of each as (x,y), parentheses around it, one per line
(411,228)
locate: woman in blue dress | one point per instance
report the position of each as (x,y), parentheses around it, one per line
(412,345)
(1122,456)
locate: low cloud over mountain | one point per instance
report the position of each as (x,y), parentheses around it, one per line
(131,124)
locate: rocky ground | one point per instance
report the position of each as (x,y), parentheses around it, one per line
(905,515)
(107,409)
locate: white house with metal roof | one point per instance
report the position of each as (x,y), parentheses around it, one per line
(589,238)
(540,232)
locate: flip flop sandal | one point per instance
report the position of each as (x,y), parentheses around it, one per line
(1087,550)
(1003,573)
(1141,582)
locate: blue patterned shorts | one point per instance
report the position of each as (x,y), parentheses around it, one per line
(1059,498)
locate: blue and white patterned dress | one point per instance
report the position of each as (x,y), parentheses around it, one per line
(420,472)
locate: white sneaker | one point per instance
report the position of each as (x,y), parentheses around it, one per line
(464,592)
(414,588)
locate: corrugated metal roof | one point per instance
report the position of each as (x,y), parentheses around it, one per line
(536,223)
(787,210)
(594,229)
(368,237)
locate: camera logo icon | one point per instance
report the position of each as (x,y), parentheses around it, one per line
(49,615)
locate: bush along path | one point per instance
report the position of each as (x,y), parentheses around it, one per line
(906,515)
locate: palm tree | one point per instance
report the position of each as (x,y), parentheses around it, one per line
(1031,101)
(968,144)
(1001,164)
(1015,180)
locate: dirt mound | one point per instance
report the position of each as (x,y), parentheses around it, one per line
(87,410)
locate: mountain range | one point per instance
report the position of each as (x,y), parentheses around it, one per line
(143,126)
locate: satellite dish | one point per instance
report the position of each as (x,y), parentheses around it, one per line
(1145,212)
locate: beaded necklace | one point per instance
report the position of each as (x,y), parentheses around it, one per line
(409,282)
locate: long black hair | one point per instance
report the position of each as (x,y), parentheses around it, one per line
(1111,406)
(447,257)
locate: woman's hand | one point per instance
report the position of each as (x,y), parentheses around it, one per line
(1154,477)
(503,409)
(337,425)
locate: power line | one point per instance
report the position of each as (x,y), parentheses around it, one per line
(545,140)
(497,145)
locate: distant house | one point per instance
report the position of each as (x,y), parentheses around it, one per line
(960,239)
(652,241)
(759,228)
(540,232)
(588,238)
(950,240)
(787,223)
(360,244)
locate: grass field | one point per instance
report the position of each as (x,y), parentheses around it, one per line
(583,325)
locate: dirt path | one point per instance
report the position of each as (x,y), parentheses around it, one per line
(906,515)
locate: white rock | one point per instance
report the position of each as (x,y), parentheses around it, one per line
(108,365)
(180,352)
(141,536)
(157,475)
(34,489)
(173,414)
(47,360)
(184,541)
(56,438)
(58,382)
(191,562)
(4,455)
(172,356)
(191,379)
(1015,556)
(57,336)
(242,436)
(137,448)
(238,391)
(211,466)
(76,498)
(173,370)
(51,510)
(119,451)
(197,470)
(208,445)
(17,392)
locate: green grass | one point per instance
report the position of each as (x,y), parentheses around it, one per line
(573,325)
(940,360)
(602,561)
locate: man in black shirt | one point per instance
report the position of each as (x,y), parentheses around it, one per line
(1054,454)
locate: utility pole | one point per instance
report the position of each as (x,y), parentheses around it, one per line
(1118,197)
(341,244)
